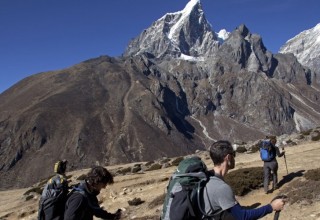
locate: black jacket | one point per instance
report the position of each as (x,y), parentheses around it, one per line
(83,205)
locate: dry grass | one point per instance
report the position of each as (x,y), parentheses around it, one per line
(301,185)
(242,181)
(304,191)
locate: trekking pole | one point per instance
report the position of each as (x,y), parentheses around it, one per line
(285,160)
(277,214)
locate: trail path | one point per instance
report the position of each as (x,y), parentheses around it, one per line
(151,185)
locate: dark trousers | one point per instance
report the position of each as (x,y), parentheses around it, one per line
(270,168)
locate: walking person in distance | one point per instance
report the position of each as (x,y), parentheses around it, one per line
(270,167)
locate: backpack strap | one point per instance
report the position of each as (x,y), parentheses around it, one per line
(77,189)
(190,206)
(200,191)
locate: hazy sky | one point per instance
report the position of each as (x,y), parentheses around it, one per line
(42,35)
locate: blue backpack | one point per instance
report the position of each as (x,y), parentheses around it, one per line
(267,153)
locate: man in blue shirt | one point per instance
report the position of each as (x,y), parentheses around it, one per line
(218,195)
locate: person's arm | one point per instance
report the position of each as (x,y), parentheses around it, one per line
(241,213)
(278,152)
(100,212)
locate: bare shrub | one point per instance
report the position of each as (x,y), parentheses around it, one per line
(313,174)
(241,149)
(149,163)
(306,133)
(244,180)
(176,161)
(155,166)
(316,137)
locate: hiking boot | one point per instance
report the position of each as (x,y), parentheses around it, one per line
(267,192)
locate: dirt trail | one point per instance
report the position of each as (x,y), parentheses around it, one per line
(299,159)
(151,185)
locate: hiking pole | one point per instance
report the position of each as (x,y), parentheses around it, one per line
(277,214)
(285,160)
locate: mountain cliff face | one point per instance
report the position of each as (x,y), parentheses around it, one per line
(177,88)
(306,48)
(184,33)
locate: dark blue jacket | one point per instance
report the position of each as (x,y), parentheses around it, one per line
(83,204)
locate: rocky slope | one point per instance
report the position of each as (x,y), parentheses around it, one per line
(306,47)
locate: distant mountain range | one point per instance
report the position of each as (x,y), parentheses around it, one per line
(178,87)
(306,47)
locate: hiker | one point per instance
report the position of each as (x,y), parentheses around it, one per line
(83,203)
(271,166)
(54,194)
(218,196)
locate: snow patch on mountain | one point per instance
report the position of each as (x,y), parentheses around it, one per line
(191,58)
(306,47)
(301,122)
(223,34)
(185,13)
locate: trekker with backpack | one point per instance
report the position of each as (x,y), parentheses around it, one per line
(54,194)
(270,163)
(218,196)
(181,200)
(82,202)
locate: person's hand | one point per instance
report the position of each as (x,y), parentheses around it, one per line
(117,214)
(278,204)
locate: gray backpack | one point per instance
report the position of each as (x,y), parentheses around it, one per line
(183,191)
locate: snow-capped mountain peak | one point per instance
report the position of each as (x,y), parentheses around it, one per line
(186,32)
(306,47)
(183,16)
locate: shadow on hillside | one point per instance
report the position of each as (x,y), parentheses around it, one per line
(288,178)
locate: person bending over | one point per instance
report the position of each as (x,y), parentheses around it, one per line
(83,203)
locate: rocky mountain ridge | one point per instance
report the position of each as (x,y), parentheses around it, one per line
(306,47)
(176,89)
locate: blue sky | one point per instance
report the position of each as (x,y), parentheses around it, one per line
(38,36)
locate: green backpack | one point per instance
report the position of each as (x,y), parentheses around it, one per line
(183,190)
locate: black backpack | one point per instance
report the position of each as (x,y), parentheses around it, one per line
(53,198)
(184,190)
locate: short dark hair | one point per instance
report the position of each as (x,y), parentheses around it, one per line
(99,174)
(218,150)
